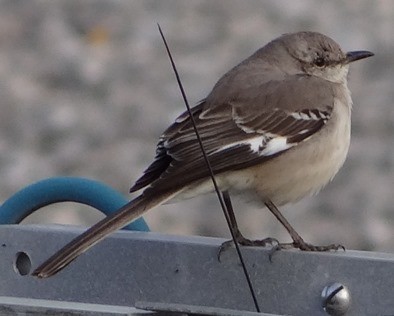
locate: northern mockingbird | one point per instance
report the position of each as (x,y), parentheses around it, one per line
(276,128)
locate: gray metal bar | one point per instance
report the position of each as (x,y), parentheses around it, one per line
(131,267)
(181,309)
(24,306)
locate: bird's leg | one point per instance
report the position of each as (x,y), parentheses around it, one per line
(237,233)
(298,242)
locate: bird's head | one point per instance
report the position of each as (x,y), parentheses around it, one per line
(318,55)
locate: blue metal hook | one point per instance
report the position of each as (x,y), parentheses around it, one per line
(65,189)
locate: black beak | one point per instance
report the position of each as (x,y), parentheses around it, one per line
(357,55)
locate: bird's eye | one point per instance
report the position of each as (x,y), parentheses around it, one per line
(319,62)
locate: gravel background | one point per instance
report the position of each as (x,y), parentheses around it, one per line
(86,89)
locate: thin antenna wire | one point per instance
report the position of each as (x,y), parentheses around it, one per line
(222,204)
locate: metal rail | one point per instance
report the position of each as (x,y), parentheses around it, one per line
(178,275)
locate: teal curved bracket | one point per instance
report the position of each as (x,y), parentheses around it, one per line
(65,189)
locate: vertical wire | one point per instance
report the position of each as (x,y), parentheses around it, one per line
(222,204)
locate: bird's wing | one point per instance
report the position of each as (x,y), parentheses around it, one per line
(238,133)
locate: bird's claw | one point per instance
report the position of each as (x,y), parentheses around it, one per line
(248,243)
(302,245)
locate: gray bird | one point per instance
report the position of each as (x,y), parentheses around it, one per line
(276,128)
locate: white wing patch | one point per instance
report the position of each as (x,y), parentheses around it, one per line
(276,145)
(256,143)
(300,116)
(303,131)
(309,115)
(262,145)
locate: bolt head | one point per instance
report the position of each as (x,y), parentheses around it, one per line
(336,299)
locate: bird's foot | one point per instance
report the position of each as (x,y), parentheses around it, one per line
(302,245)
(241,240)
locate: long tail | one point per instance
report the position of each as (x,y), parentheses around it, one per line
(97,232)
